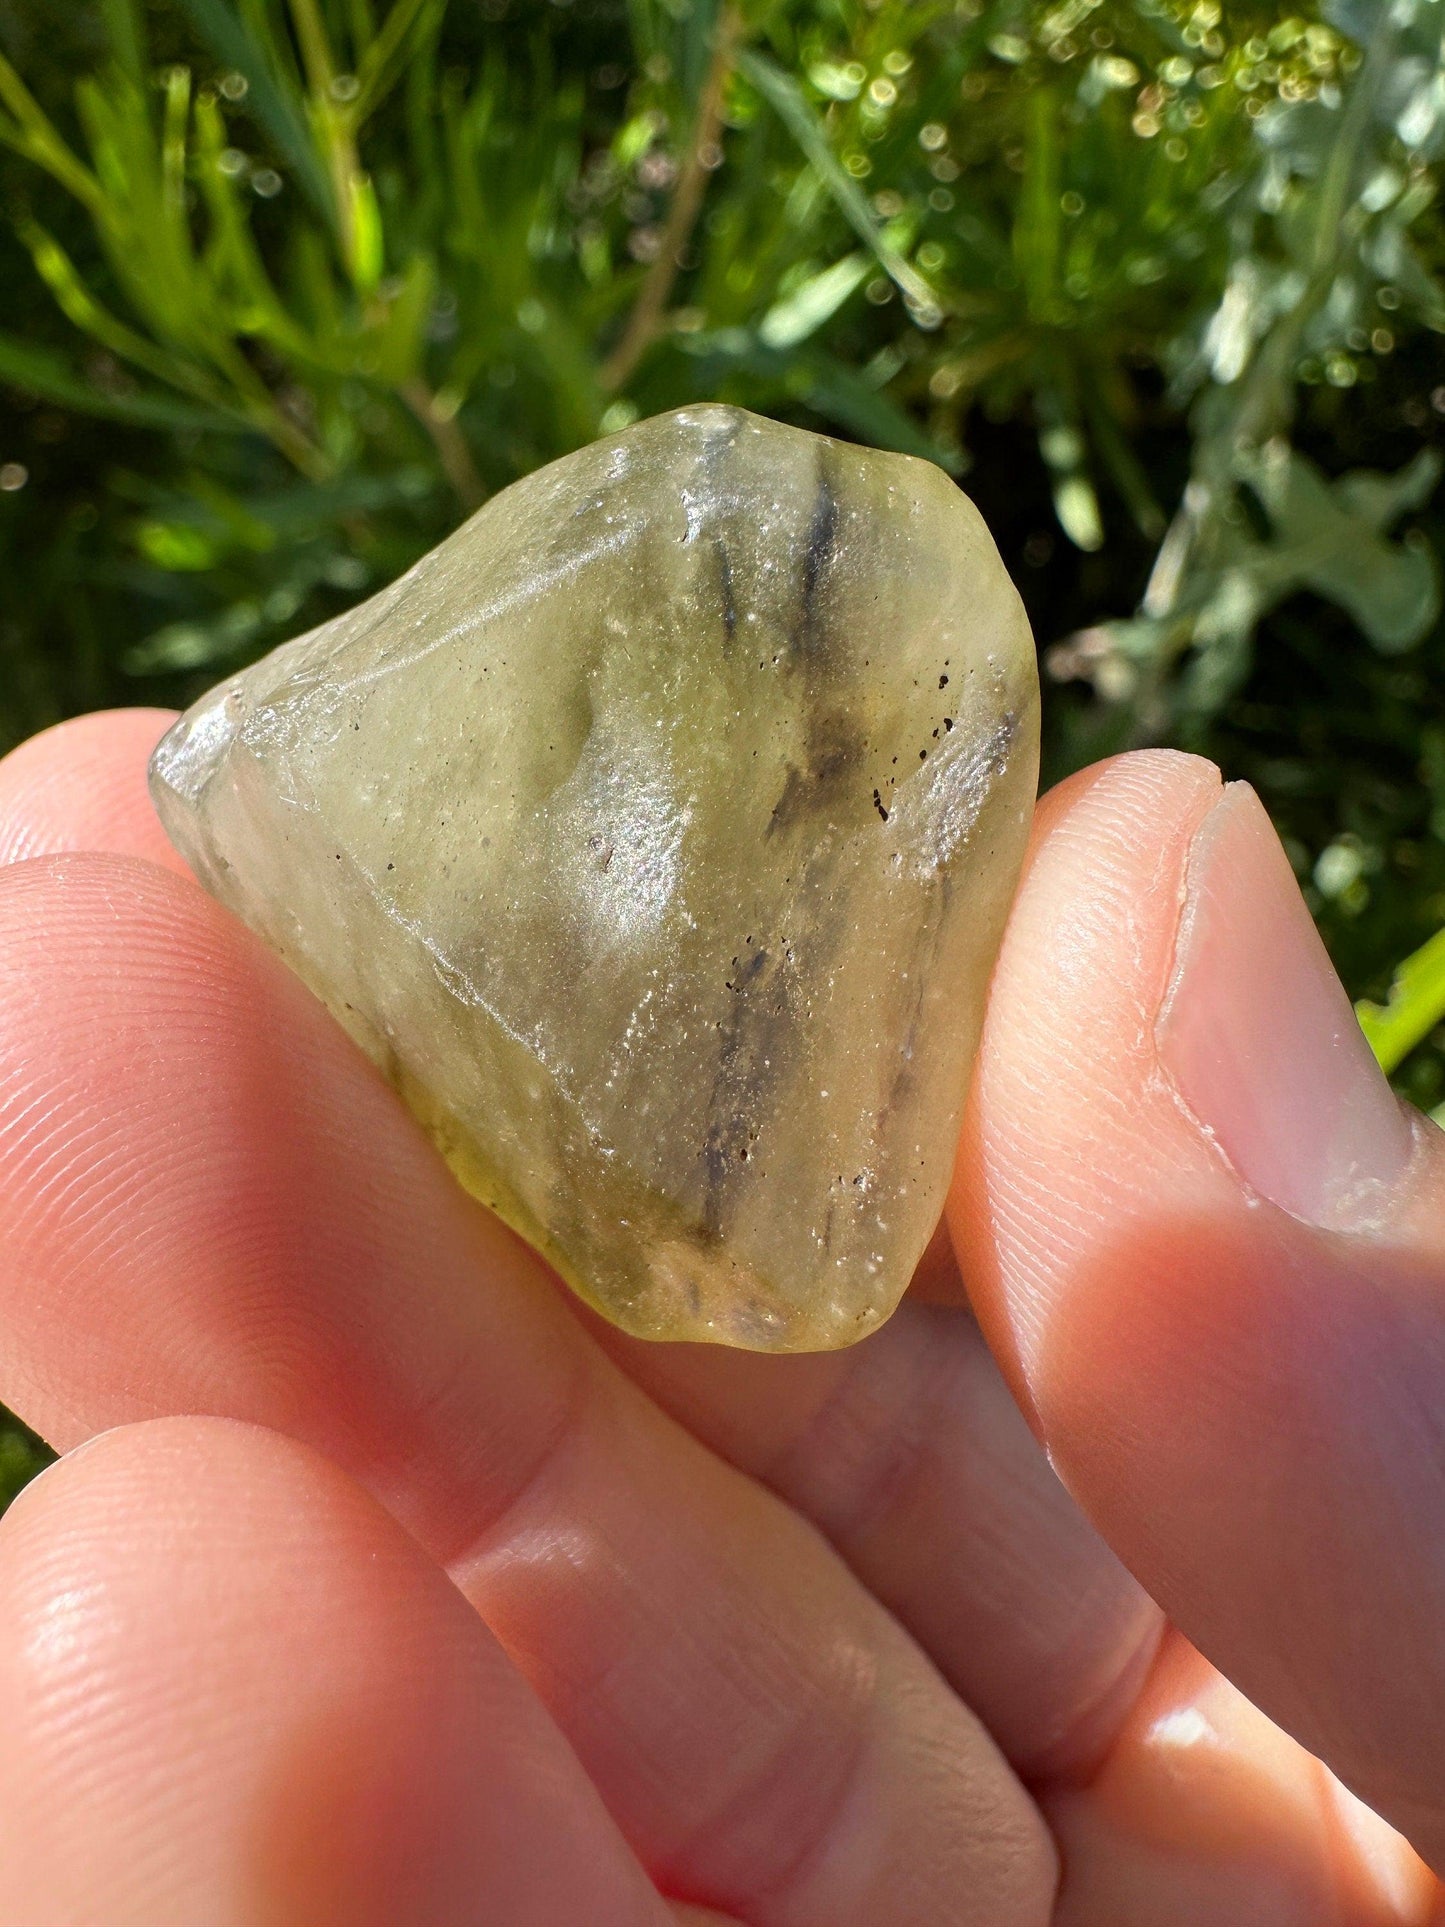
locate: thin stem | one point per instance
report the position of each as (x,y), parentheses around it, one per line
(448,440)
(363,27)
(30,133)
(332,122)
(292,442)
(380,64)
(642,324)
(315,48)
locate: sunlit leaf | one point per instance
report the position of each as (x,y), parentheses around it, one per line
(1416,1004)
(173,546)
(804,311)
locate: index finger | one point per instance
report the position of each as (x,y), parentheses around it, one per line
(210,1201)
(907,1452)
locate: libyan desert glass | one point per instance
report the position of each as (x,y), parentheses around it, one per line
(654,836)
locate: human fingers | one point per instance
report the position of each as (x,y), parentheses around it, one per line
(861,1417)
(235,1693)
(1204,1813)
(209,1200)
(1195,1807)
(1202,1807)
(82,786)
(1210,1248)
(908,1452)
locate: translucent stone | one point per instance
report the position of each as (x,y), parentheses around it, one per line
(654,835)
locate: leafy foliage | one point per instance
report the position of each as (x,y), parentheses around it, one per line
(357,240)
(1320,227)
(293,283)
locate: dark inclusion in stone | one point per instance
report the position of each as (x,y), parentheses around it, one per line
(654,834)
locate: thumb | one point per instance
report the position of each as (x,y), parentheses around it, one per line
(1209,1247)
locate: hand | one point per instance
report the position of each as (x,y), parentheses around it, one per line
(406,1595)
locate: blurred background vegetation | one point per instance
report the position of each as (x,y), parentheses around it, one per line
(292,285)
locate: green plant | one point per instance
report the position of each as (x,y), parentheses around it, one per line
(397,270)
(1414,1006)
(1320,224)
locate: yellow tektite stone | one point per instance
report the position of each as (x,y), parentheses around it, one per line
(654,835)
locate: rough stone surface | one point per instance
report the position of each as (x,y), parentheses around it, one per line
(654,835)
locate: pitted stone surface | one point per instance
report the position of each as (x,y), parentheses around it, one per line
(654,835)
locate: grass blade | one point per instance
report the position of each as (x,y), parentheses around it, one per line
(384,63)
(230,39)
(785,97)
(30,132)
(34,371)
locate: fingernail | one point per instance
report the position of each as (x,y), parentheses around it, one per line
(1259,1039)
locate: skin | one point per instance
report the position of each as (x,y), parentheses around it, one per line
(380,1585)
